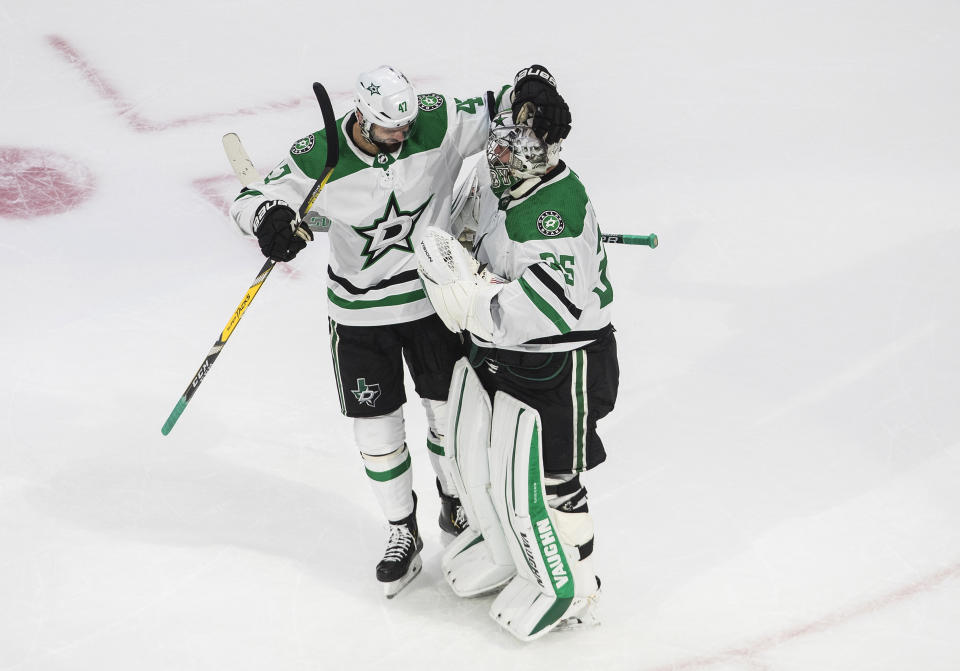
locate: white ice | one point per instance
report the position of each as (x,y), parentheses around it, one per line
(783,485)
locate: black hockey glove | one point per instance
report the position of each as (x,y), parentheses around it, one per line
(535,90)
(280,237)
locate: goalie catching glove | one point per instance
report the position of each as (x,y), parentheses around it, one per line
(459,293)
(280,234)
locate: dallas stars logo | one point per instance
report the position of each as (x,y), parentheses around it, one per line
(391,231)
(550,223)
(302,146)
(374,89)
(429,101)
(366,394)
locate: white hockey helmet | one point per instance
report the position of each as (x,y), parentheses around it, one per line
(386,98)
(516,149)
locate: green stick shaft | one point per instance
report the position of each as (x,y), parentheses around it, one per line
(627,239)
(218,346)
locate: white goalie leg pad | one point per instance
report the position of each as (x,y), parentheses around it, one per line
(436,443)
(539,598)
(478,561)
(386,461)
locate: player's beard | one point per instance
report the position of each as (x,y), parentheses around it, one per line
(387,145)
(388,148)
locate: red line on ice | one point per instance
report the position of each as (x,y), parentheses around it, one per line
(749,651)
(210,190)
(128,111)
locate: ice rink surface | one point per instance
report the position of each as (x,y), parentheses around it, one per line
(783,485)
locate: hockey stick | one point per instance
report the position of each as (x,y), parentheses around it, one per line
(247,174)
(241,163)
(626,239)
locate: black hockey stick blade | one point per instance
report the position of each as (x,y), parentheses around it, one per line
(329,124)
(333,147)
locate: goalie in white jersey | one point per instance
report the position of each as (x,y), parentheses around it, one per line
(542,368)
(400,155)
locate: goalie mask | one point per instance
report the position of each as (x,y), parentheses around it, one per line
(514,150)
(386,105)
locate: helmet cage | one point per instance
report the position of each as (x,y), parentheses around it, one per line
(515,148)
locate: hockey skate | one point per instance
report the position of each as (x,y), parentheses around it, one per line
(453,519)
(401,561)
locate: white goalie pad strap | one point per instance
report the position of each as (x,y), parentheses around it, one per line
(478,560)
(516,477)
(460,296)
(575,532)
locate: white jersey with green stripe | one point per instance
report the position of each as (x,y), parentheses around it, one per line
(378,207)
(546,244)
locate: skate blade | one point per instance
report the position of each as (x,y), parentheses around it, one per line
(390,589)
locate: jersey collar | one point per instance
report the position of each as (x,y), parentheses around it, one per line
(529,186)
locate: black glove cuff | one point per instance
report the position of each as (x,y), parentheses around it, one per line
(275,213)
(534,72)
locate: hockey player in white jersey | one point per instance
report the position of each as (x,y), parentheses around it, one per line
(400,154)
(535,299)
